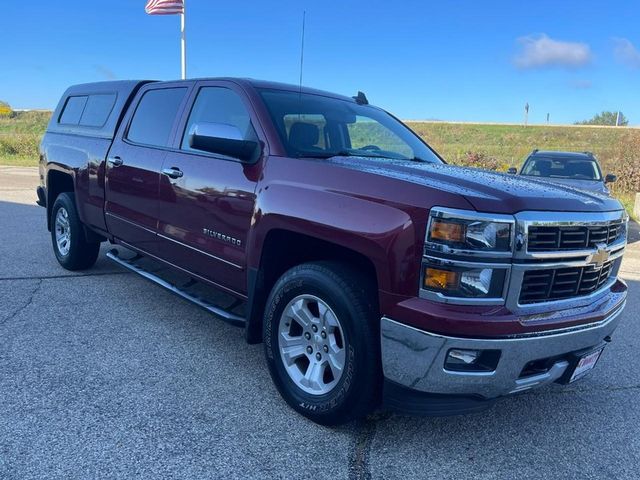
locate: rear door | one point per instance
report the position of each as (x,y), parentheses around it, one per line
(135,161)
(206,212)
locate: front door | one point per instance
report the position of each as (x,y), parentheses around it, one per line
(207,204)
(134,166)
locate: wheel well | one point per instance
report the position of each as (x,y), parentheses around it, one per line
(57,183)
(283,250)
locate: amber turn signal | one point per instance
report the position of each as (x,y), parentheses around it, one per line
(441,279)
(447,231)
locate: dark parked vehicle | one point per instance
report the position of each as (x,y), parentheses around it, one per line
(374,273)
(574,169)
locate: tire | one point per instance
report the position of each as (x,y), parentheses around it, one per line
(68,236)
(347,302)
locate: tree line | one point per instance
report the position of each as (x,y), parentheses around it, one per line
(606,118)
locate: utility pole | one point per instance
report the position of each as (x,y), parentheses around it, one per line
(618,119)
(172,7)
(547,119)
(183,43)
(526,114)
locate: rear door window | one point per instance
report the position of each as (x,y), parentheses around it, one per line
(155,115)
(73,110)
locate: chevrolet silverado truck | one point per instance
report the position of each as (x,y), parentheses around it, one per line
(376,275)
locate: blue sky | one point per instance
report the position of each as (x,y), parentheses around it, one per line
(449,60)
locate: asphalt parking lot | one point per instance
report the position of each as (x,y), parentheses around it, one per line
(105,375)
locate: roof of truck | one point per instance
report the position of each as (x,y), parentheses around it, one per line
(108,86)
(124,90)
(266,84)
(129,85)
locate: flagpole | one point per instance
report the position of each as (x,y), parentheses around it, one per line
(183,42)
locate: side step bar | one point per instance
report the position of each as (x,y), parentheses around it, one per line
(130,264)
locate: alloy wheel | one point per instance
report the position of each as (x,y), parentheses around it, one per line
(312,344)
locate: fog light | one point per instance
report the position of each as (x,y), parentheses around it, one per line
(463,356)
(463,360)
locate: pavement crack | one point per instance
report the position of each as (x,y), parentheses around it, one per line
(364,432)
(28,303)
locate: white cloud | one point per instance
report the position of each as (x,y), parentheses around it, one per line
(540,51)
(626,53)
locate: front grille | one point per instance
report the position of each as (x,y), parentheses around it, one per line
(560,283)
(548,238)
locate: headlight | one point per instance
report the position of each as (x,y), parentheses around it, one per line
(467,257)
(461,230)
(464,282)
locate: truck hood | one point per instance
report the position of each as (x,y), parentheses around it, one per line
(588,185)
(486,191)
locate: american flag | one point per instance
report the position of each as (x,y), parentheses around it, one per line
(164,7)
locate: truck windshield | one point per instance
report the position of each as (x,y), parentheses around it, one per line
(317,126)
(562,168)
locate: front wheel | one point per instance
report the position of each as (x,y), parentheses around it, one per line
(322,343)
(68,237)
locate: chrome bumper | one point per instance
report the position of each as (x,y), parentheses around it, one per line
(415,359)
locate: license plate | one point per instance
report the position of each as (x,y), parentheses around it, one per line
(585,365)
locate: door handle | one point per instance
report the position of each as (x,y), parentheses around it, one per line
(173,172)
(115,161)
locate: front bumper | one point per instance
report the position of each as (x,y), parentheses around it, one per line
(414,360)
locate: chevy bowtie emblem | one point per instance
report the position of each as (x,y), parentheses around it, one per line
(600,256)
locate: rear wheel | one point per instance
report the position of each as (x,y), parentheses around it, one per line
(70,244)
(322,344)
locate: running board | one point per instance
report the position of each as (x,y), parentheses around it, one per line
(130,264)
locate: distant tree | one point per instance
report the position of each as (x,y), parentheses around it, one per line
(5,109)
(605,118)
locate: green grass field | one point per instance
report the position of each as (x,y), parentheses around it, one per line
(20,136)
(485,146)
(502,146)
(509,144)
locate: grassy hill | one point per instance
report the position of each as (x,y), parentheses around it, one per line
(502,146)
(495,147)
(19,137)
(509,144)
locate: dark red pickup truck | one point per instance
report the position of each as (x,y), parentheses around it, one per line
(374,273)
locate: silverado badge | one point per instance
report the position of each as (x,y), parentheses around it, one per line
(222,237)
